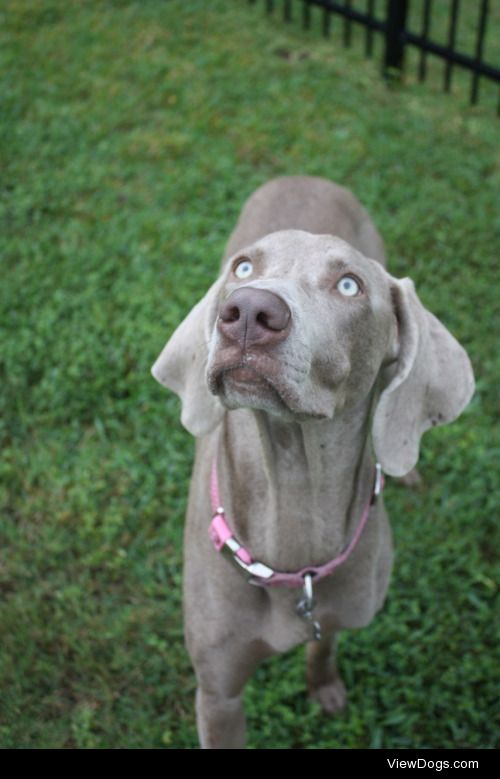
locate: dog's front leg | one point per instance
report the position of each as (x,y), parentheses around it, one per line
(223,666)
(221,720)
(222,671)
(324,681)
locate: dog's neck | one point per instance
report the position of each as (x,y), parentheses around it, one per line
(313,481)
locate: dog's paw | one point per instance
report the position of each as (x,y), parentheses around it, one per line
(332,697)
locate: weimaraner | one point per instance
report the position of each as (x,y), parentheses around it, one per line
(302,360)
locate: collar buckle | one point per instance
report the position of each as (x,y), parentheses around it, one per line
(251,568)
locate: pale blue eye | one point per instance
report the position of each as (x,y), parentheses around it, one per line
(348,286)
(243,270)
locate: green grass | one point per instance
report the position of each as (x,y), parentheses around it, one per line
(130,134)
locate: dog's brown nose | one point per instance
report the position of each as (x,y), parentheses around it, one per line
(254,317)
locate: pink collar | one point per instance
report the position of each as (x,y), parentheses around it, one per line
(261,574)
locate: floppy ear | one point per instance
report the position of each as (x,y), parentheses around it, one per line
(182,364)
(432,383)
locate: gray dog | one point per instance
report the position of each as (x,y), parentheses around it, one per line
(301,360)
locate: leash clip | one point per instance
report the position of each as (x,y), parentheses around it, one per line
(305,606)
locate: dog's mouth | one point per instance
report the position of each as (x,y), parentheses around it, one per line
(264,381)
(244,377)
(250,380)
(256,381)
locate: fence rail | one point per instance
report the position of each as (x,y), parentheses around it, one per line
(392,23)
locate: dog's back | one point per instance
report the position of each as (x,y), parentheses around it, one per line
(306,203)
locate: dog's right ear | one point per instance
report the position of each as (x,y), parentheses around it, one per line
(181,367)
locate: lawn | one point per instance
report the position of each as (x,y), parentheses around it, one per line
(130,134)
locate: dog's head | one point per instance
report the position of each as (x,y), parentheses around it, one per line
(303,326)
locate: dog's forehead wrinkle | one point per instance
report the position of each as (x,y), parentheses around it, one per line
(301,255)
(296,243)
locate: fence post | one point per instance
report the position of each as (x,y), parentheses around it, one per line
(395,36)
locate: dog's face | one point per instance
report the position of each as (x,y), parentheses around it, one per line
(301,327)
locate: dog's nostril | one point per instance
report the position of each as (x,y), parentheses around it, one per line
(263,319)
(230,314)
(276,317)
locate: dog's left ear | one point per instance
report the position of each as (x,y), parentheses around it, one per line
(430,385)
(182,364)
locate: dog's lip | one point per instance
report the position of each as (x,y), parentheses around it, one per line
(242,374)
(243,377)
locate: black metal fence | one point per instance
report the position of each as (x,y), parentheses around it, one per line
(390,19)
